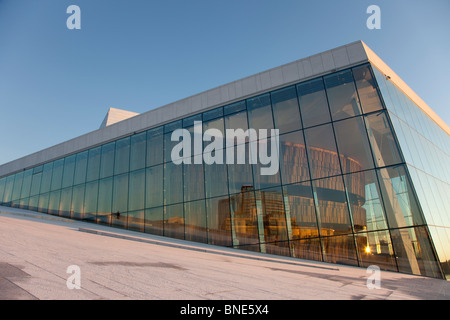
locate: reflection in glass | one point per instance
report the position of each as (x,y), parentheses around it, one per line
(138,151)
(154,221)
(93,166)
(154,187)
(107,160)
(69,170)
(339,249)
(293,160)
(135,220)
(322,152)
(136,192)
(375,248)
(104,210)
(309,248)
(174,221)
(77,207)
(46,177)
(274,217)
(173,183)
(244,217)
(90,200)
(195,221)
(120,194)
(342,95)
(313,103)
(367,91)
(219,222)
(58,167)
(285,110)
(26,185)
(122,157)
(65,202)
(155,145)
(353,145)
(80,168)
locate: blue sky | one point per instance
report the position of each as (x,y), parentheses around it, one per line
(57,84)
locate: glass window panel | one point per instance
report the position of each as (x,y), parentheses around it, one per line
(2,188)
(18,180)
(365,201)
(36,184)
(136,220)
(195,221)
(80,168)
(375,248)
(65,202)
(340,250)
(173,183)
(172,126)
(309,248)
(93,166)
(219,222)
(155,145)
(77,208)
(189,121)
(216,180)
(90,200)
(342,95)
(154,221)
(33,204)
(367,90)
(154,186)
(293,160)
(266,175)
(53,202)
(136,192)
(174,221)
(119,219)
(300,211)
(120,194)
(193,181)
(240,176)
(274,216)
(213,114)
(69,170)
(9,185)
(46,177)
(58,167)
(237,121)
(331,205)
(244,218)
(122,157)
(399,200)
(138,151)
(286,112)
(313,103)
(169,145)
(235,107)
(353,145)
(260,113)
(322,152)
(107,160)
(104,210)
(414,252)
(280,248)
(384,147)
(43,202)
(26,185)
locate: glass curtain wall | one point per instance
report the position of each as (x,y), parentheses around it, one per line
(342,193)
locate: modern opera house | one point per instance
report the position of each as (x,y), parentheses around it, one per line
(363,168)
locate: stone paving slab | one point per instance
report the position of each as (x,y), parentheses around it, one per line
(36,250)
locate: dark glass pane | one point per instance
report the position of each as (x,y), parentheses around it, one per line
(300,211)
(58,167)
(399,200)
(189,121)
(174,221)
(274,217)
(107,160)
(414,252)
(293,160)
(216,180)
(136,192)
(154,187)
(213,114)
(138,151)
(69,171)
(77,209)
(308,248)
(240,176)
(136,220)
(193,181)
(244,218)
(154,221)
(331,205)
(367,90)
(342,95)
(322,152)
(285,110)
(375,248)
(120,194)
(65,202)
(155,146)
(195,221)
(80,168)
(340,249)
(90,200)
(46,177)
(122,157)
(237,121)
(219,222)
(313,103)
(168,128)
(235,107)
(260,113)
(104,210)
(365,201)
(384,148)
(173,183)
(26,185)
(53,202)
(353,145)
(93,168)
(266,171)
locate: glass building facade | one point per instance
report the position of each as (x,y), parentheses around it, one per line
(358,165)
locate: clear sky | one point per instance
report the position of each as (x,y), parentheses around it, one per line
(57,84)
